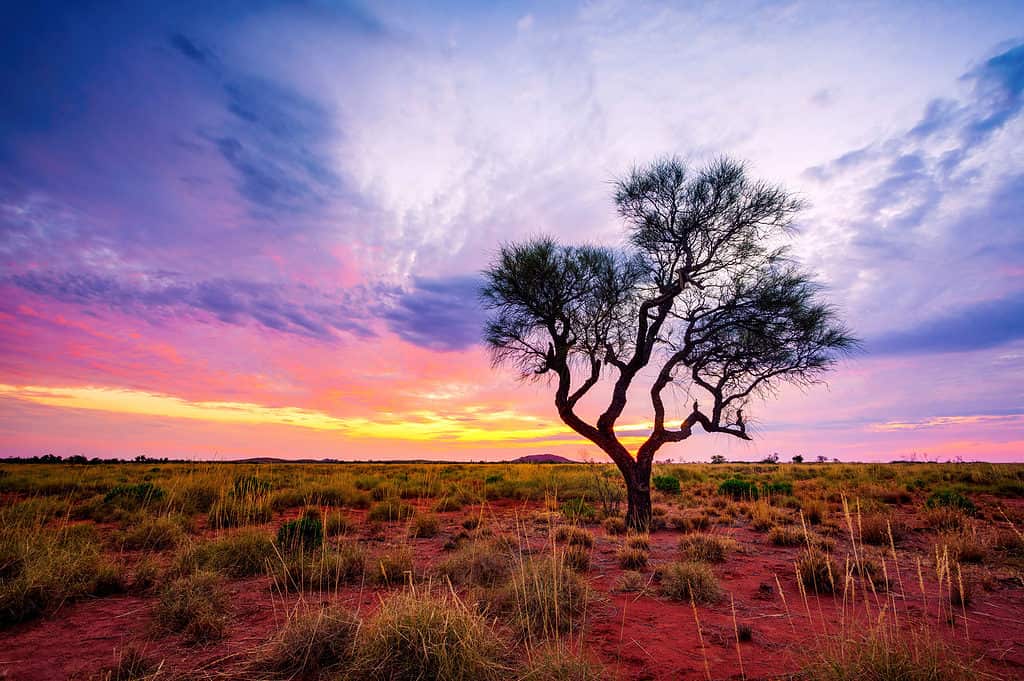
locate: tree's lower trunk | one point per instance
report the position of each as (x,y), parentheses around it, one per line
(638,498)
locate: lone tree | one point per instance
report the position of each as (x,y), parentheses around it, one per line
(703,291)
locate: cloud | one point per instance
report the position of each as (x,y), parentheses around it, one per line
(159,295)
(439,314)
(983,325)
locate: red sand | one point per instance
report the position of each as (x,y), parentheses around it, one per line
(636,636)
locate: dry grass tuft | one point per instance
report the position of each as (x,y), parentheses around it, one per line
(707,548)
(689,581)
(311,644)
(195,606)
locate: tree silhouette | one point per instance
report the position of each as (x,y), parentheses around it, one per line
(703,290)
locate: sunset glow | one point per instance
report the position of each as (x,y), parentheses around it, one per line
(257,229)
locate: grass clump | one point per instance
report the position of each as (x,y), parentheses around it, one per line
(545,597)
(557,662)
(194,606)
(947,498)
(614,525)
(429,635)
(390,510)
(668,484)
(312,644)
(689,581)
(393,567)
(876,527)
(884,654)
(631,558)
(816,571)
(132,664)
(578,510)
(243,553)
(576,557)
(424,526)
(153,534)
(478,563)
(338,524)
(574,536)
(738,489)
(706,548)
(304,534)
(786,535)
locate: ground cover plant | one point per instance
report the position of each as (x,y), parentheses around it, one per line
(832,571)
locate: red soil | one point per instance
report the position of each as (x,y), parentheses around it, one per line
(638,636)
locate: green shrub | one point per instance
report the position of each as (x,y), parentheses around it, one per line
(947,498)
(578,509)
(134,495)
(419,635)
(312,644)
(303,534)
(390,510)
(777,488)
(689,581)
(738,489)
(195,606)
(669,484)
(241,554)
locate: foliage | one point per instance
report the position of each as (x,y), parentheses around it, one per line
(669,484)
(738,489)
(947,498)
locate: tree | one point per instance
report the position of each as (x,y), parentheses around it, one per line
(701,289)
(798,458)
(717,458)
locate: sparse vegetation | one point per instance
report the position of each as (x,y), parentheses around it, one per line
(706,548)
(689,580)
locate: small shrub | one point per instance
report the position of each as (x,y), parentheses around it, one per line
(578,509)
(424,635)
(394,567)
(614,525)
(964,546)
(574,536)
(576,557)
(786,535)
(815,511)
(631,581)
(194,606)
(738,489)
(545,596)
(241,554)
(304,534)
(424,526)
(777,488)
(951,499)
(875,528)
(447,505)
(631,558)
(390,510)
(816,571)
(638,541)
(338,524)
(134,495)
(478,563)
(706,548)
(153,534)
(945,519)
(312,644)
(689,580)
(669,484)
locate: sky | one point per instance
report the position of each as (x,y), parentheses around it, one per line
(242,229)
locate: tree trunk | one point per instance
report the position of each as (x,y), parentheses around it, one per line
(638,498)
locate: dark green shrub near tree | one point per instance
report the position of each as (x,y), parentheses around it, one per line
(947,498)
(668,484)
(738,489)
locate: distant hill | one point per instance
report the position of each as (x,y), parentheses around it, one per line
(542,458)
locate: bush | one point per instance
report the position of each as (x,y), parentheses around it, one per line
(478,563)
(242,554)
(424,526)
(875,528)
(153,534)
(738,489)
(578,509)
(631,558)
(394,567)
(951,499)
(786,535)
(545,597)
(574,536)
(817,572)
(134,496)
(312,644)
(669,484)
(777,488)
(390,510)
(304,534)
(614,525)
(194,606)
(689,580)
(706,548)
(423,635)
